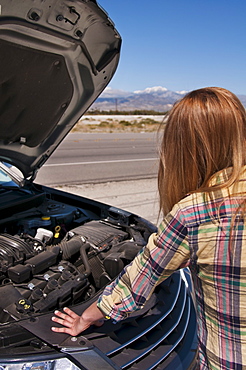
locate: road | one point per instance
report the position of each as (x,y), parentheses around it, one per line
(84,158)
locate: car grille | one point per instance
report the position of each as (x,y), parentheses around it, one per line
(161,336)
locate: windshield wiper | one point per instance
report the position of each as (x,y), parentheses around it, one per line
(12,174)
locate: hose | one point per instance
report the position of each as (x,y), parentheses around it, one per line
(84,258)
(73,246)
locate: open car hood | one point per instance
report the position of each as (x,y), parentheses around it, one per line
(56,57)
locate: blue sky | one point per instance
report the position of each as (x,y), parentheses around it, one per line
(180,45)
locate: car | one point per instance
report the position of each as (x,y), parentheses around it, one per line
(59,249)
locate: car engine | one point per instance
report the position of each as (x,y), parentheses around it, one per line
(50,257)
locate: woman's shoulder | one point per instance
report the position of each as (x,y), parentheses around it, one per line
(197,208)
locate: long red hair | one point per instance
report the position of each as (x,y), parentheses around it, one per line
(205,132)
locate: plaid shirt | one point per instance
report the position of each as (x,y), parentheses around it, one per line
(208,230)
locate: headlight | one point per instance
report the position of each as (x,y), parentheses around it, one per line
(59,364)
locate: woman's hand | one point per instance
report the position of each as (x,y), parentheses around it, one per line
(74,324)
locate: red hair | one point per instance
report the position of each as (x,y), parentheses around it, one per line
(205,133)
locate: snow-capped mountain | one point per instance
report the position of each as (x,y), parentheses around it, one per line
(243,99)
(156,98)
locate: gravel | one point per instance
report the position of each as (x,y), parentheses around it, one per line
(139,196)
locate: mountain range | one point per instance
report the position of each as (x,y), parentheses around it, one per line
(155,98)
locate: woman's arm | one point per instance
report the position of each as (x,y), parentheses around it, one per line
(164,253)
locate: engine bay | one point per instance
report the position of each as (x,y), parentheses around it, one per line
(54,254)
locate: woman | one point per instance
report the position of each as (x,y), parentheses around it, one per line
(202,186)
